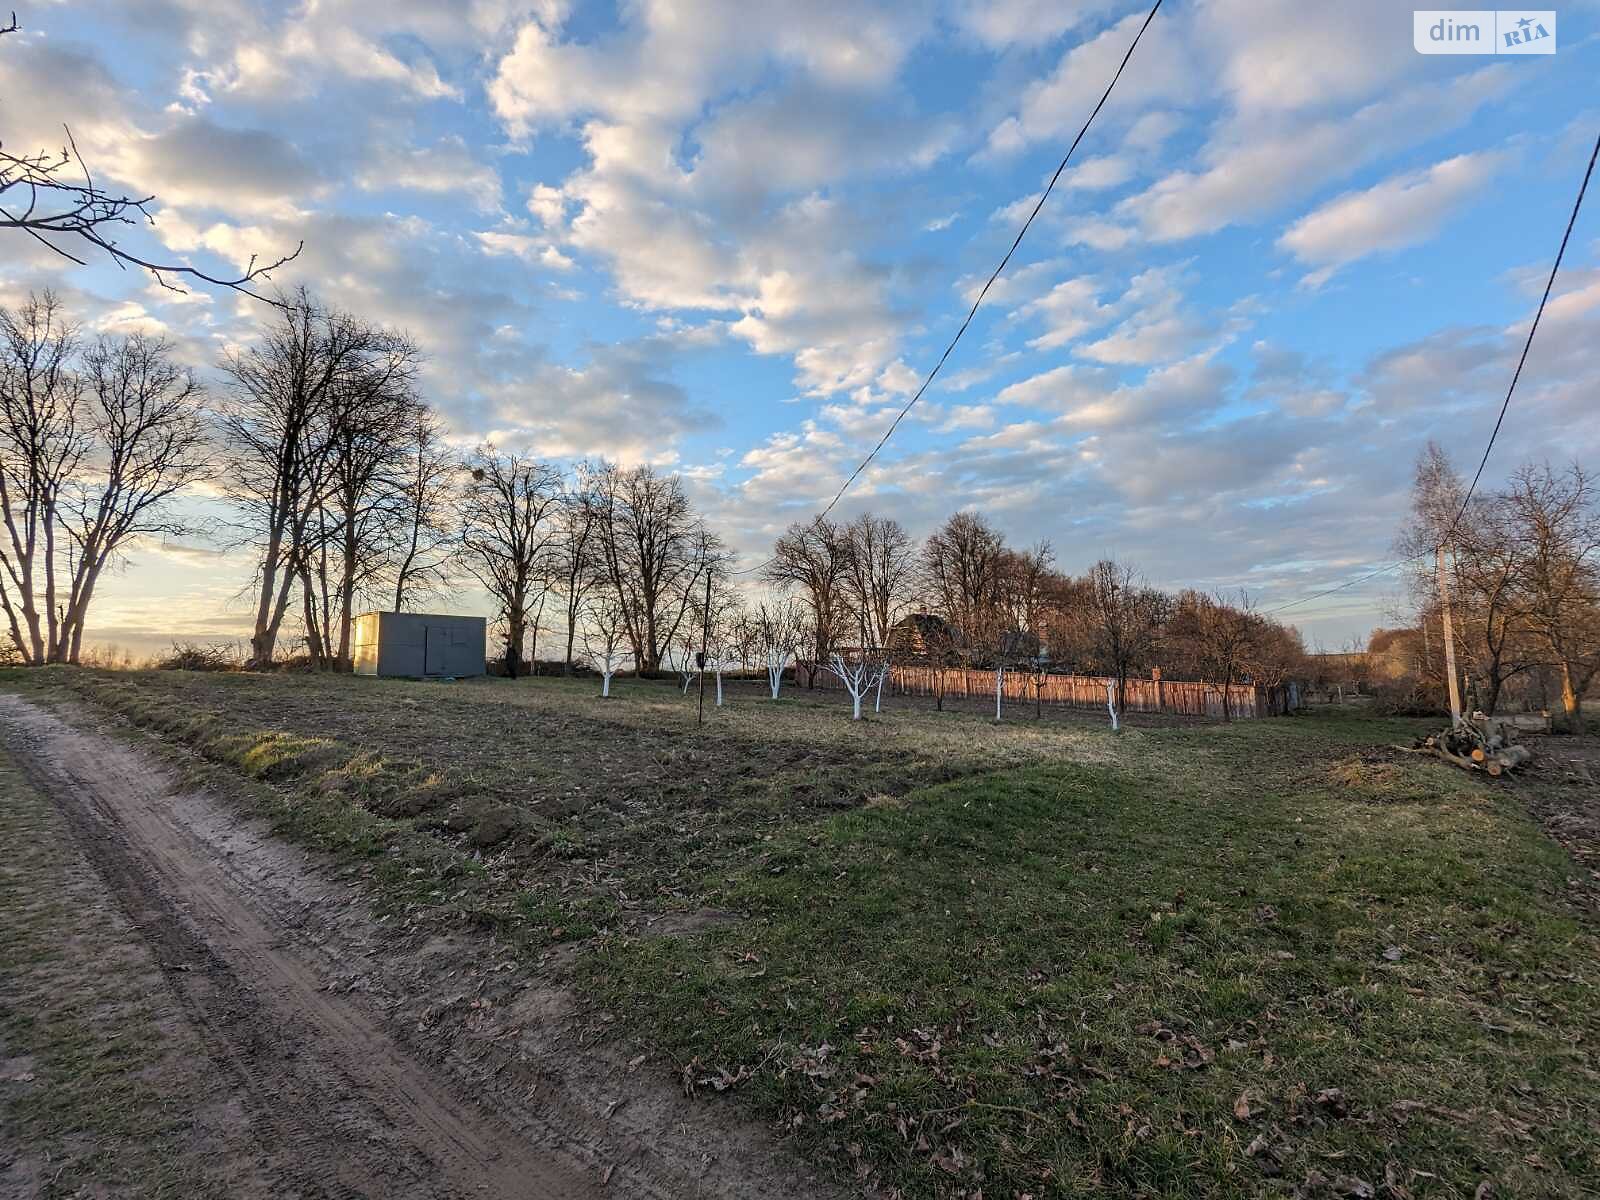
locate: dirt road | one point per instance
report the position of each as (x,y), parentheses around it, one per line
(309,1016)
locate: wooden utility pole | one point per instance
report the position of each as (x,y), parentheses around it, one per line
(1449,637)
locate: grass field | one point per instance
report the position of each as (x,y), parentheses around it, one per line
(960,959)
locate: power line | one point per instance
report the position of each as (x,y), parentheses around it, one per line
(1516,376)
(1527,345)
(1383,570)
(989,283)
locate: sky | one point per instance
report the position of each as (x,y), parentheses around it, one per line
(730,239)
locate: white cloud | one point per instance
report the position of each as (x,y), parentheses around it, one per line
(1058,104)
(448,166)
(1250,171)
(532,250)
(671,57)
(1068,310)
(1401,211)
(1005,23)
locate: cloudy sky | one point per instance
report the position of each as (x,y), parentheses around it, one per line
(730,237)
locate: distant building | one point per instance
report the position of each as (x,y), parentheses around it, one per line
(922,635)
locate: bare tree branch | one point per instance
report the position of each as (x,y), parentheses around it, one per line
(41,197)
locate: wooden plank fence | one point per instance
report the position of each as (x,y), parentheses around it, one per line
(1073,691)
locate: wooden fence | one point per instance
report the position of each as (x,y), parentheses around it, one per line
(1073,691)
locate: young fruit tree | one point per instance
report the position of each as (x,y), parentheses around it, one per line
(605,640)
(781,625)
(859,678)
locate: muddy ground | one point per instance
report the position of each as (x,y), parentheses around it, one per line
(308,1049)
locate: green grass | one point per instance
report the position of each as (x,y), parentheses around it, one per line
(1250,960)
(96,1076)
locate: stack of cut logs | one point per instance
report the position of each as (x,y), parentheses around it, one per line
(1480,744)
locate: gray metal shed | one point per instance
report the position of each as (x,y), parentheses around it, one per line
(419,644)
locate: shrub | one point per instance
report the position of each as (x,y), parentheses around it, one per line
(191,656)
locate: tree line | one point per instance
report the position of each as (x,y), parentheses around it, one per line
(340,481)
(336,476)
(973,601)
(1521,565)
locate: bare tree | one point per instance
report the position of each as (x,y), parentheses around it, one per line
(781,625)
(1215,638)
(963,562)
(425,511)
(579,568)
(371,422)
(1556,516)
(1124,620)
(1492,617)
(511,522)
(859,674)
(655,552)
(280,429)
(604,638)
(812,559)
(90,454)
(880,577)
(41,449)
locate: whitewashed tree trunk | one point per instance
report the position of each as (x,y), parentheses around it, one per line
(608,664)
(877,704)
(999,690)
(718,668)
(777,663)
(1111,703)
(858,679)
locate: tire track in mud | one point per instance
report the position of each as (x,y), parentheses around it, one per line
(336,1106)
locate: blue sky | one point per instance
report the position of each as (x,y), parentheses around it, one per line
(729,238)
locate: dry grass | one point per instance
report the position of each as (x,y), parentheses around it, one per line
(1268,959)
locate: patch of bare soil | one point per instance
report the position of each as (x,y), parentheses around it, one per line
(103,1090)
(1562,788)
(367,1060)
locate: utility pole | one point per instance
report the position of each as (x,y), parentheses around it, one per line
(1449,637)
(705,646)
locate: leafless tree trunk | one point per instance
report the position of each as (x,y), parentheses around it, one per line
(1557,517)
(282,432)
(580,568)
(654,551)
(426,509)
(41,449)
(372,419)
(510,515)
(1125,621)
(91,449)
(880,575)
(812,558)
